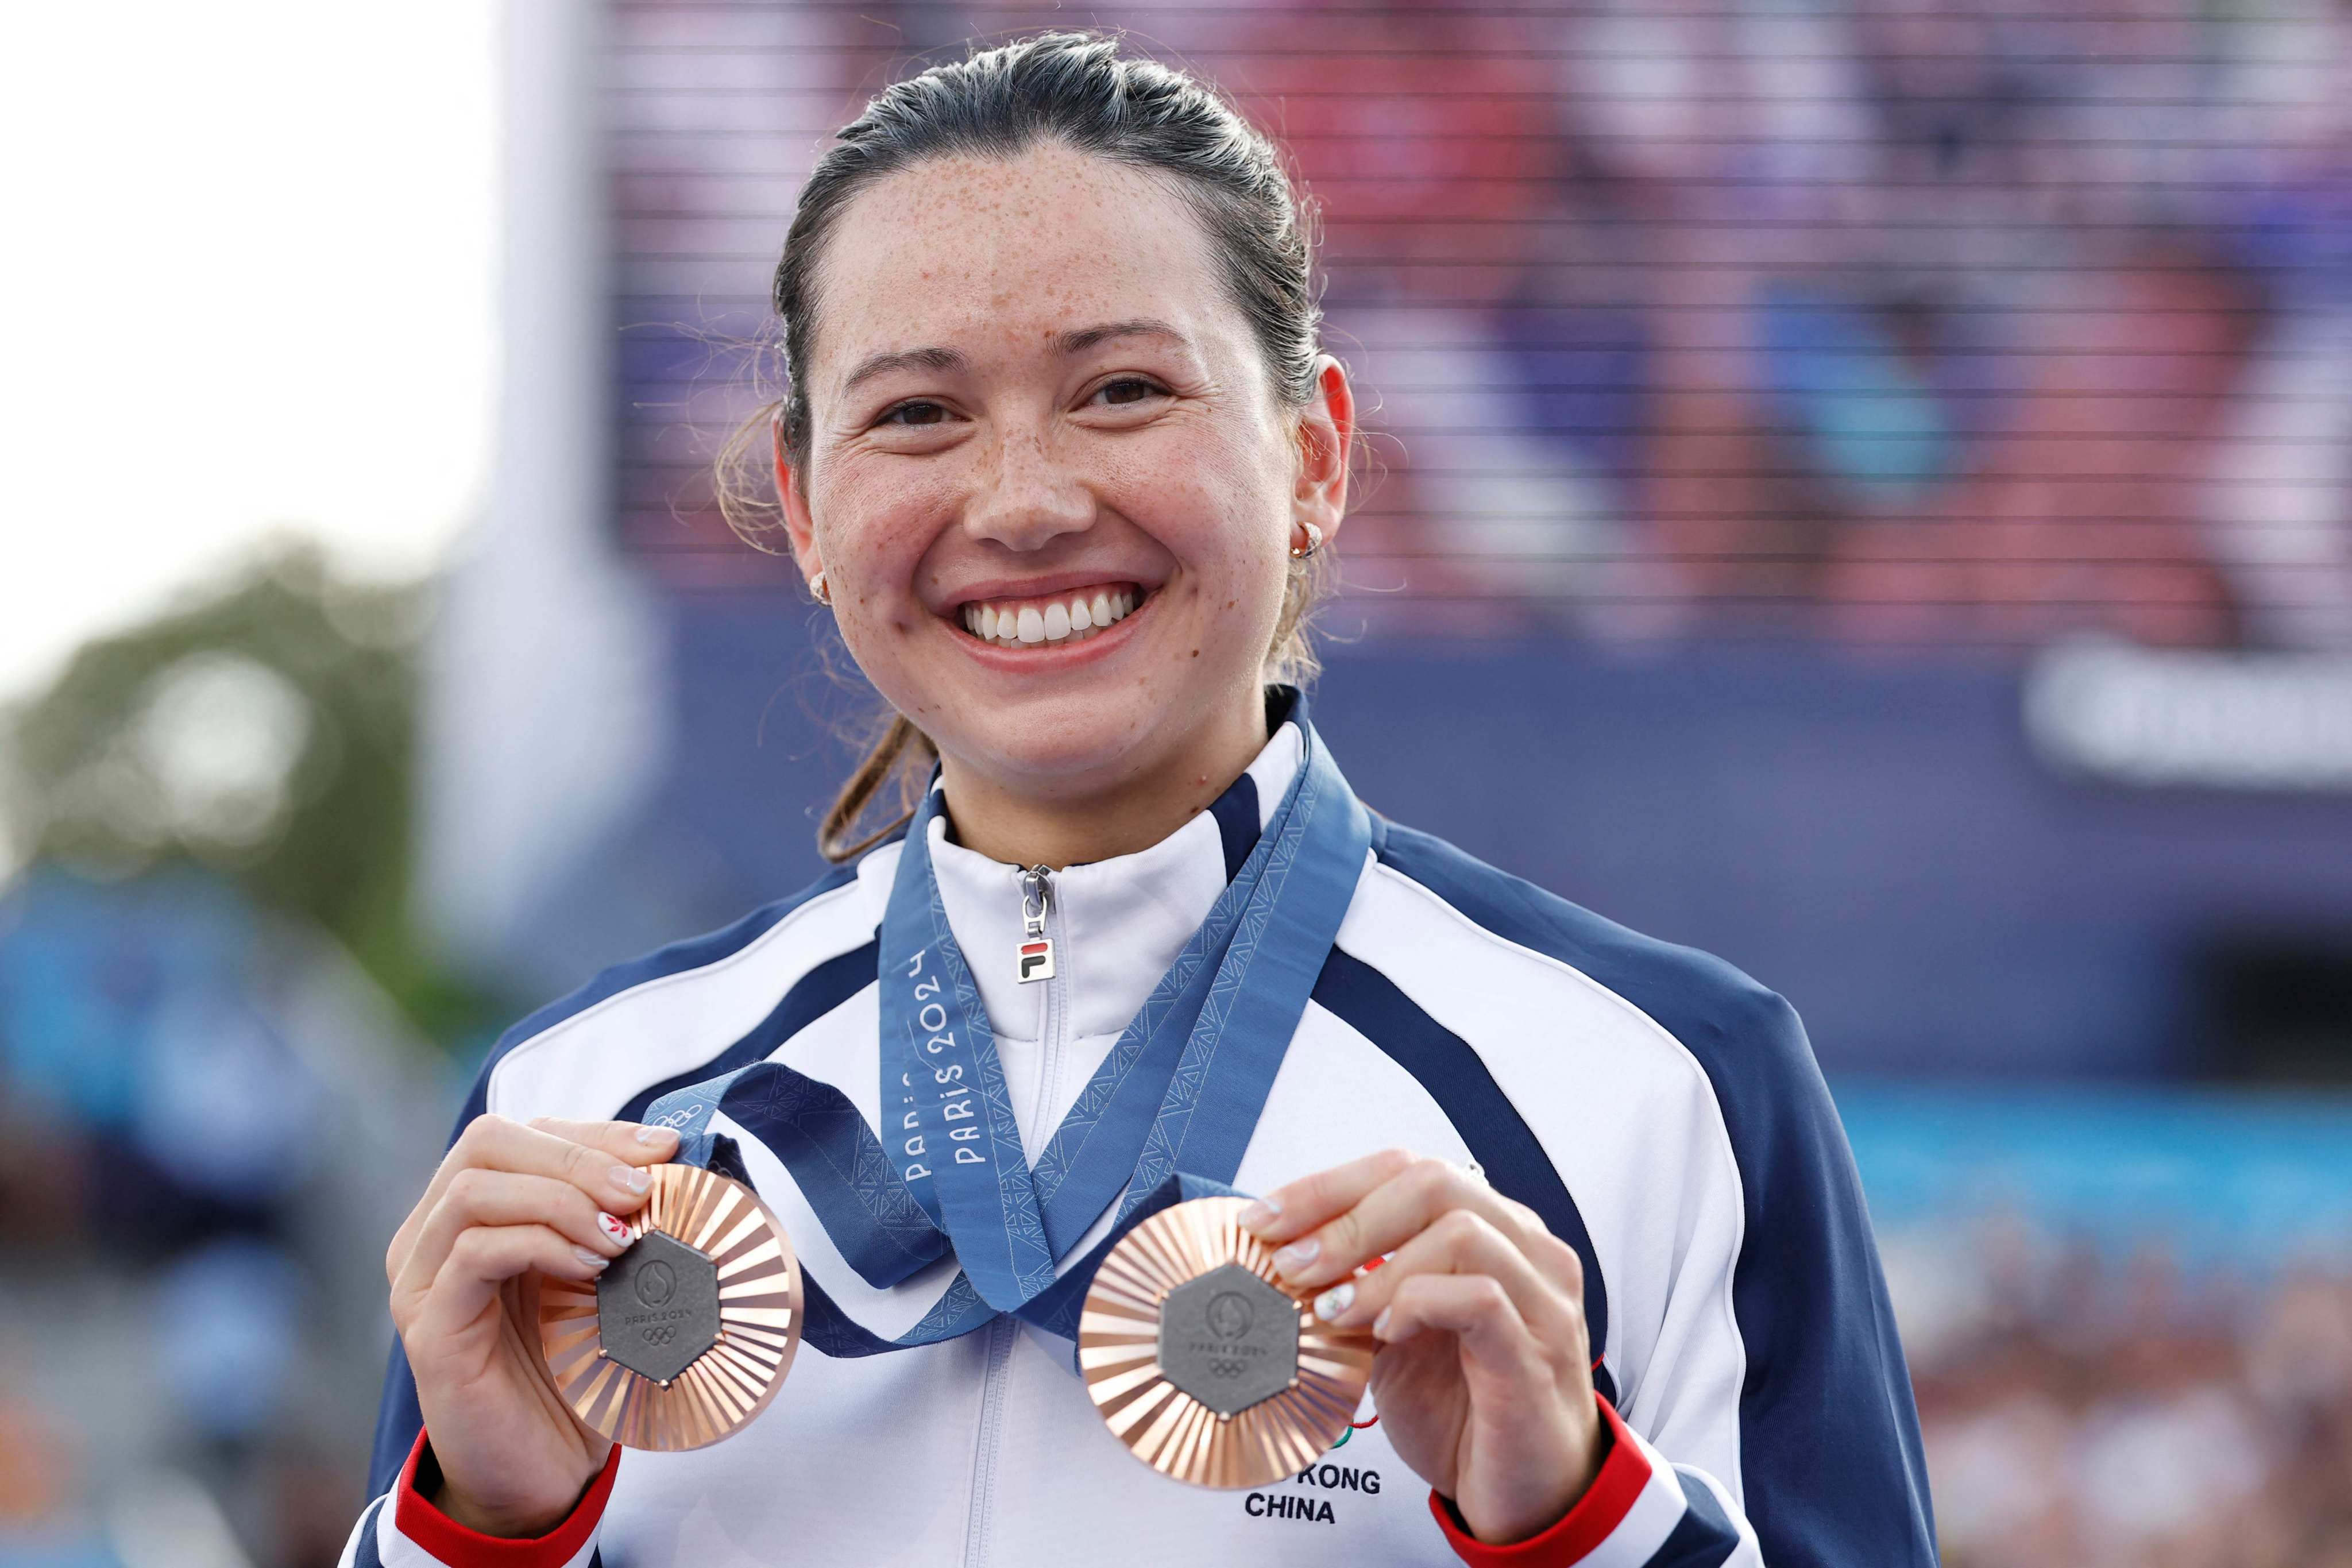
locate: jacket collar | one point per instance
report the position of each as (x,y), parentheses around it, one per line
(1118,923)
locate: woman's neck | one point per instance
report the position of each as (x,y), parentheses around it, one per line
(1013,822)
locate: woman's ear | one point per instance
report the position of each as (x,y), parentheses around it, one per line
(1326,437)
(798,527)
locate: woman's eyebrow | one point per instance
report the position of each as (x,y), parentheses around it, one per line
(1076,341)
(1085,337)
(903,359)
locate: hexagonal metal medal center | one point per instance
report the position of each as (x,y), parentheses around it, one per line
(1229,1339)
(657,1306)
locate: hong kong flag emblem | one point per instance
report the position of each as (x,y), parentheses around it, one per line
(1036,960)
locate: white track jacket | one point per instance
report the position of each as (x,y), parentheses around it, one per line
(1659,1111)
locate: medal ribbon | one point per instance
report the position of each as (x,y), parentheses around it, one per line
(1166,1117)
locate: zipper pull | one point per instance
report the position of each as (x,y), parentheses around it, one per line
(1034,958)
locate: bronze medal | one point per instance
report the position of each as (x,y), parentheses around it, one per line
(1206,1367)
(688,1334)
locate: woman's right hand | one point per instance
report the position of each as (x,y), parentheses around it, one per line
(510,1199)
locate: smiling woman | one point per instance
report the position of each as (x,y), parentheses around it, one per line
(954,439)
(1058,447)
(1067,305)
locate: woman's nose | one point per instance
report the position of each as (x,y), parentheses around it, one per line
(1028,498)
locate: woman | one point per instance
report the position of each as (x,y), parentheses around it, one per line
(1060,450)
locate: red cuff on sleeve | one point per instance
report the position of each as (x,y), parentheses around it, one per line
(1580,1530)
(460,1547)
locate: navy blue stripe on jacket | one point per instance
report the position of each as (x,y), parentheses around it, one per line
(817,993)
(398,1418)
(1705,1537)
(363,1552)
(1449,1072)
(1832,1469)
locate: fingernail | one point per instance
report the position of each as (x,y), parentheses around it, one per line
(1259,1213)
(1297,1255)
(613,1227)
(655,1135)
(1380,1323)
(632,1177)
(1334,1301)
(593,1259)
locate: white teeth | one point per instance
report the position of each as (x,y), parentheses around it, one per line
(1028,625)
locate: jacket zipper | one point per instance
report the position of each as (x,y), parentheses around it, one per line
(1036,884)
(1000,1334)
(1041,916)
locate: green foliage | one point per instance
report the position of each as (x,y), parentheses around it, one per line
(264,727)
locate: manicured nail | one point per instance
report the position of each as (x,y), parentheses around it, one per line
(655,1135)
(613,1227)
(1297,1255)
(1380,1323)
(1334,1301)
(592,1258)
(1260,1213)
(632,1177)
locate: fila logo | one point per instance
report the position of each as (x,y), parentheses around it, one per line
(1036,960)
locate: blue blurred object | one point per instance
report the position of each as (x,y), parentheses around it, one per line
(59,1549)
(227,1334)
(75,989)
(1583,374)
(2221,1178)
(137,1009)
(1834,372)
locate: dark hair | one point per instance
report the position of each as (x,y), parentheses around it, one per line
(1077,90)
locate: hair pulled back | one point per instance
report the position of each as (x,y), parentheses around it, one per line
(1075,90)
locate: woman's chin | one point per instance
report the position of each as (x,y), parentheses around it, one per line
(1072,743)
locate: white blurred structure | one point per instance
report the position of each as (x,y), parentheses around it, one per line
(544,721)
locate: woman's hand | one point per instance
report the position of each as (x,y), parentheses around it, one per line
(1483,1378)
(510,1199)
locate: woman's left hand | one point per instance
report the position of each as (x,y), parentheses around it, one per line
(1484,1379)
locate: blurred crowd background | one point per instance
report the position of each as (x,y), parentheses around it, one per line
(1861,486)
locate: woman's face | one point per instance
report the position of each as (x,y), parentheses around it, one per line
(1049,482)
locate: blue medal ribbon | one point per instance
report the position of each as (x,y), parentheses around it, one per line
(1167,1117)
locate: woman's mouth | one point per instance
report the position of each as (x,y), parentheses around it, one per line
(1075,615)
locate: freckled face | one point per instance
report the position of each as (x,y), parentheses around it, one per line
(983,454)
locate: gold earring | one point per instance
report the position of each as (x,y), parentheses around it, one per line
(817,587)
(1314,543)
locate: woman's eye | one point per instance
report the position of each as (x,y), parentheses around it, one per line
(1129,389)
(916,414)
